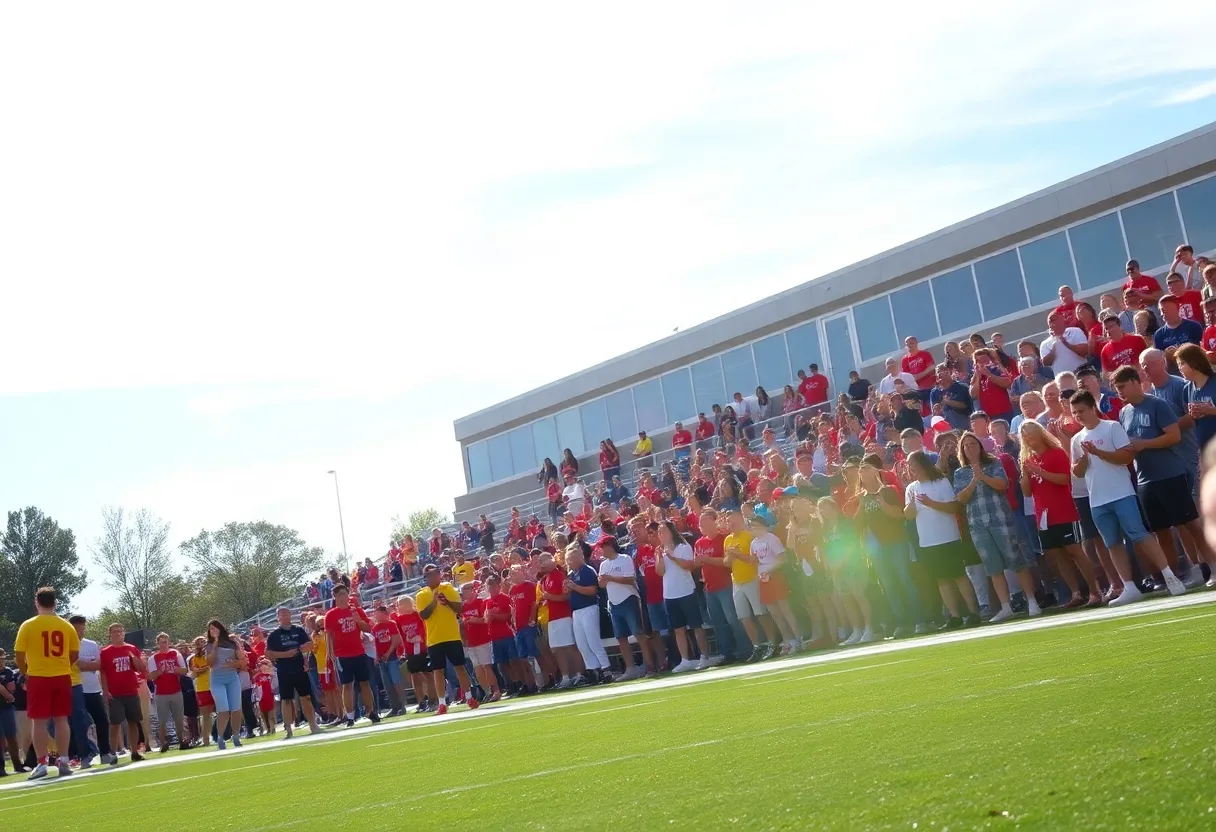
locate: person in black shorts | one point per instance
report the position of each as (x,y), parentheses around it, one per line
(287,647)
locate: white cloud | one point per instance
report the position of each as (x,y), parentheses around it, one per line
(1192,93)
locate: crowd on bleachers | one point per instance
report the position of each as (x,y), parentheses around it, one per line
(986,482)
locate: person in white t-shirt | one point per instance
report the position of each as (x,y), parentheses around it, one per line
(1101,452)
(1065,348)
(89,663)
(575,494)
(675,566)
(930,500)
(619,578)
(887,385)
(769,553)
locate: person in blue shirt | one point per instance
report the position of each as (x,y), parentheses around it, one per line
(951,399)
(1172,390)
(583,584)
(1194,366)
(1176,330)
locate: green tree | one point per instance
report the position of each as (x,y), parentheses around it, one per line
(134,552)
(418,523)
(34,552)
(246,567)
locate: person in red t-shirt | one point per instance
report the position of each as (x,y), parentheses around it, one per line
(387,638)
(1067,310)
(166,669)
(120,664)
(709,557)
(344,628)
(497,610)
(524,607)
(1145,286)
(1119,348)
(263,692)
(1190,301)
(1047,478)
(990,386)
(561,622)
(257,642)
(705,428)
(413,650)
(919,364)
(477,640)
(1208,342)
(814,388)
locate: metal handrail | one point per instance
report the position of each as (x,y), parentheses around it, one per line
(298,604)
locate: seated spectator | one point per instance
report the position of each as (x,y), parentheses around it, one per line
(887,385)
(859,388)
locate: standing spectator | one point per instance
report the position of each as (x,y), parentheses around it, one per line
(610,460)
(1163,478)
(120,664)
(929,500)
(906,417)
(89,665)
(201,671)
(165,668)
(990,386)
(879,509)
(583,583)
(1120,348)
(8,718)
(477,639)
(560,629)
(705,431)
(1101,452)
(1185,261)
(618,576)
(681,446)
(710,558)
(950,399)
(1067,310)
(1209,334)
(413,650)
(344,628)
(1028,380)
(497,609)
(1133,305)
(288,646)
(643,451)
(524,597)
(569,463)
(957,362)
(859,388)
(1143,286)
(47,648)
(846,566)
(547,470)
(1066,347)
(1208,290)
(575,495)
(487,529)
(674,566)
(886,386)
(439,605)
(814,388)
(1175,329)
(745,577)
(1172,390)
(1190,301)
(919,364)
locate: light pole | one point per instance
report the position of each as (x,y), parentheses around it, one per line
(341,525)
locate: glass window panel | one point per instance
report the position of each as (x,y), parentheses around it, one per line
(544,440)
(803,345)
(1097,246)
(1153,231)
(648,399)
(479,464)
(677,395)
(621,420)
(739,371)
(772,363)
(570,434)
(594,416)
(500,457)
(840,352)
(913,308)
(1000,282)
(523,452)
(957,307)
(875,336)
(1047,266)
(1198,204)
(707,386)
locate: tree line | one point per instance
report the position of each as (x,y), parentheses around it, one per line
(230,573)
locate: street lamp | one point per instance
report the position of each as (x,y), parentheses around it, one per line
(341,525)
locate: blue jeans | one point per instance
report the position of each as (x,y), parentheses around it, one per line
(891,564)
(80,722)
(732,638)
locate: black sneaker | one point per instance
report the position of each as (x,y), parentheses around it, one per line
(350,722)
(972,620)
(951,624)
(136,757)
(374,716)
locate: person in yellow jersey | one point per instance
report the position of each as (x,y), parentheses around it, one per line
(47,648)
(745,577)
(200,671)
(463,571)
(439,605)
(327,678)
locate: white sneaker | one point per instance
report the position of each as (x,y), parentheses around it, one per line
(1004,614)
(65,770)
(38,773)
(703,663)
(715,660)
(1033,609)
(866,637)
(1174,585)
(853,639)
(564,684)
(1211,584)
(684,667)
(1131,594)
(1194,578)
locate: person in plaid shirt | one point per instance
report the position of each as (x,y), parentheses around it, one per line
(980,484)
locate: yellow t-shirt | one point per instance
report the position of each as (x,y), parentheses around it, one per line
(48,642)
(442,625)
(202,674)
(463,573)
(644,446)
(740,571)
(320,651)
(542,608)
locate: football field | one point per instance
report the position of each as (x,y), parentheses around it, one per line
(1096,720)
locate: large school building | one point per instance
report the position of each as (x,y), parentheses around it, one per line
(997,271)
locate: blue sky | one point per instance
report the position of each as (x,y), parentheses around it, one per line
(245,245)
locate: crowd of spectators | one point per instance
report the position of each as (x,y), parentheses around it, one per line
(987,482)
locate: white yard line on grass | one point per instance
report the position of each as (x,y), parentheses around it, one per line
(1168,621)
(625,707)
(1150,607)
(820,675)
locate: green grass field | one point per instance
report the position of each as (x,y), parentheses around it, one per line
(1096,725)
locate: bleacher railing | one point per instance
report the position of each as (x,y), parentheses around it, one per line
(368,595)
